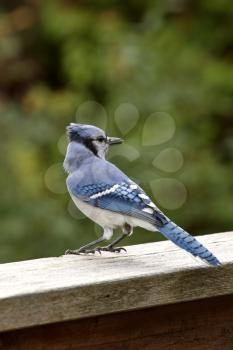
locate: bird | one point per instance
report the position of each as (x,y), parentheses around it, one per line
(111,199)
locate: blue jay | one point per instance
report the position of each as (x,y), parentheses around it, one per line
(108,197)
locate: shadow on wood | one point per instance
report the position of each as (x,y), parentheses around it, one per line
(199,325)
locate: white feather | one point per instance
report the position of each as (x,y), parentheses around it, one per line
(108,218)
(148,210)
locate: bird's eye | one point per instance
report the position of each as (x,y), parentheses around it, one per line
(101,139)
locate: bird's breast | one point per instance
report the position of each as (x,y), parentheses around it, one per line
(108,218)
(102,217)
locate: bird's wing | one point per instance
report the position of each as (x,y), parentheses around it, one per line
(125,197)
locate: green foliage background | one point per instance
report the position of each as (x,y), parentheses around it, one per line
(173,56)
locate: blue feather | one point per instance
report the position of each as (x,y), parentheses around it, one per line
(123,200)
(184,240)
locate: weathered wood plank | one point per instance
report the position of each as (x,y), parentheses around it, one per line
(198,325)
(70,287)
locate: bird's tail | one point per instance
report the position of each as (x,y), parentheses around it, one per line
(184,240)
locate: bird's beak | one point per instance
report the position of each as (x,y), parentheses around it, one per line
(114,140)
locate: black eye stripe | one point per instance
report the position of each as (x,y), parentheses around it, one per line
(100,139)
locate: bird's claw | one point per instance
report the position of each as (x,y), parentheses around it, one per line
(111,249)
(69,252)
(118,250)
(95,250)
(81,251)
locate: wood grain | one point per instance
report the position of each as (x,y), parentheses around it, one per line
(52,290)
(198,325)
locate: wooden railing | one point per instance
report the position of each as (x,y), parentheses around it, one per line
(155,296)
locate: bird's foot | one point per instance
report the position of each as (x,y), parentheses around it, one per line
(111,249)
(81,251)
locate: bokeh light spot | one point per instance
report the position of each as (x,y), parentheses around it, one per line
(169,193)
(93,113)
(55,179)
(62,144)
(126,117)
(170,160)
(127,151)
(159,127)
(74,211)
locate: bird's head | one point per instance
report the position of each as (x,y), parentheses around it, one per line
(95,139)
